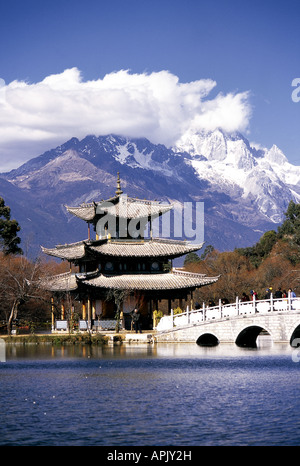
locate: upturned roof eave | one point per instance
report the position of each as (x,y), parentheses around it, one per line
(88,211)
(154,248)
(150,282)
(174,280)
(70,251)
(124,250)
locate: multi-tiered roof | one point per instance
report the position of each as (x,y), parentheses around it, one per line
(128,261)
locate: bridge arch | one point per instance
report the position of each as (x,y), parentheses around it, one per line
(207,339)
(294,333)
(241,329)
(248,335)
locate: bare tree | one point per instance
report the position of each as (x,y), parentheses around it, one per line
(118,297)
(19,283)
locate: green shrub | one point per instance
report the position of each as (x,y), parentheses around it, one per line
(157,315)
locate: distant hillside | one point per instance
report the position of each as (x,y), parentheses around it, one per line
(245,191)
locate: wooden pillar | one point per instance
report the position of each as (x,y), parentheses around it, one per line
(89,317)
(52,314)
(94,310)
(122,320)
(83,310)
(150,309)
(169,306)
(62,311)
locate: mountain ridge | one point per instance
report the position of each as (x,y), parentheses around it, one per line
(245,190)
(265,176)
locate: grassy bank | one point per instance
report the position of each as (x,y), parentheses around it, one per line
(54,339)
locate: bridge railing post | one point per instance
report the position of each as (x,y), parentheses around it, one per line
(289,301)
(271,302)
(254,303)
(188,314)
(172,317)
(220,308)
(237,305)
(203,311)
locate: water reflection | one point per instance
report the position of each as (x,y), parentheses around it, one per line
(265,346)
(164,394)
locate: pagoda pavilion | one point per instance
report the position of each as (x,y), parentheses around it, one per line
(122,262)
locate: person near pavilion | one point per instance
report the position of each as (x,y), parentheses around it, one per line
(136,320)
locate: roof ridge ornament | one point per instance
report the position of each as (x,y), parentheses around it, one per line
(119,190)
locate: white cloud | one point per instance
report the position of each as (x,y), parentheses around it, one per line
(36,117)
(230,112)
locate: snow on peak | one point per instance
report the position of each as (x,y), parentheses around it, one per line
(233,166)
(275,155)
(211,145)
(218,146)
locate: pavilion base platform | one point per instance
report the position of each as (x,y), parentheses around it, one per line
(140,337)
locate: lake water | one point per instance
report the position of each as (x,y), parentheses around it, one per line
(166,394)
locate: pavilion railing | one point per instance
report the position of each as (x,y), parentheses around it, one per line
(85,325)
(227,311)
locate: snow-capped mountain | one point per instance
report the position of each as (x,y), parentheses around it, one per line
(264,177)
(245,191)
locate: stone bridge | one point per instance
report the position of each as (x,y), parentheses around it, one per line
(241,325)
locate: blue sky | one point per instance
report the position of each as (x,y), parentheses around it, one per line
(242,46)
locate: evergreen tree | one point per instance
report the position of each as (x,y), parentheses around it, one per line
(289,232)
(8,231)
(291,226)
(257,253)
(191,258)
